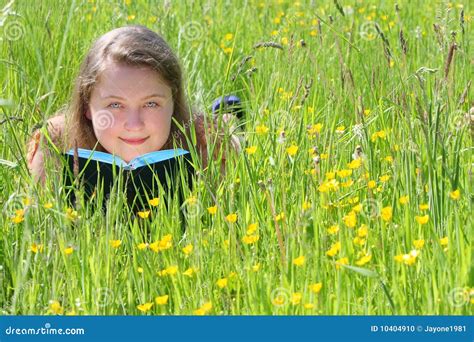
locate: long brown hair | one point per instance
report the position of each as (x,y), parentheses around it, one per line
(132,45)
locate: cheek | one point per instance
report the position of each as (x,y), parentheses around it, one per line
(162,124)
(104,125)
(103,119)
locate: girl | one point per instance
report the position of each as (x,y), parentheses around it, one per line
(129,89)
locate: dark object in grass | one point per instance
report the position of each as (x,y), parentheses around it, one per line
(230,104)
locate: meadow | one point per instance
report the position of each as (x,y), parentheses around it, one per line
(352,194)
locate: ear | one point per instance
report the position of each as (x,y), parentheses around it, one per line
(88,113)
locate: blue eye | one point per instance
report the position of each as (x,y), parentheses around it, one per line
(114,105)
(151,104)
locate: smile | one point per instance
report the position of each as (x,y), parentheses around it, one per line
(134,141)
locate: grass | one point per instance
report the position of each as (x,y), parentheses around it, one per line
(405,109)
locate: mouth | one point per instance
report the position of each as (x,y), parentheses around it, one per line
(134,141)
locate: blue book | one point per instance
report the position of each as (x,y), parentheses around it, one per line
(95,169)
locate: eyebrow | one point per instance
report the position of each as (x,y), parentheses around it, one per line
(121,98)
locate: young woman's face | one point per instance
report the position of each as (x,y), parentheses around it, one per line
(131,109)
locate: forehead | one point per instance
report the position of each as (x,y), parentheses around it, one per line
(122,79)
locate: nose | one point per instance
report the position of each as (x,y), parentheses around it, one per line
(134,121)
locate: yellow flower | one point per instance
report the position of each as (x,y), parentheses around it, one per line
(371,184)
(187,249)
(341,261)
(229,36)
(250,239)
(280,216)
(222,282)
(292,150)
(144,214)
(333,229)
(130,17)
(170,270)
(306,205)
(154,202)
(144,307)
(261,129)
(404,200)
(355,164)
(18,219)
(384,178)
(350,220)
(316,287)
(231,218)
(251,150)
(163,244)
(279,300)
(378,135)
(48,205)
(309,306)
(204,309)
(252,228)
(299,261)
(444,241)
(68,250)
(344,173)
(256,267)
(140,269)
(407,259)
(418,244)
(386,213)
(358,241)
(161,300)
(363,260)
(335,248)
(115,243)
(362,231)
(422,219)
(189,272)
(142,246)
(212,210)
(36,248)
(340,129)
(296,298)
(347,183)
(71,214)
(424,206)
(192,200)
(55,307)
(315,129)
(455,195)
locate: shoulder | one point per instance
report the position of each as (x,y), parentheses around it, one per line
(55,127)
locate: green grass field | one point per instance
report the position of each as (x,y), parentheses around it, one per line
(297,226)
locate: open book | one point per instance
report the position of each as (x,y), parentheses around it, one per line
(139,177)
